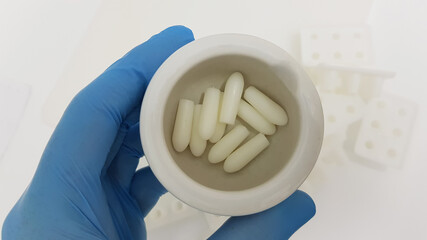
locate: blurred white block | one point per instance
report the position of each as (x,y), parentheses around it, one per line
(364,81)
(329,81)
(369,71)
(385,131)
(142,163)
(13,100)
(348,45)
(332,149)
(168,209)
(340,111)
(214,222)
(171,217)
(331,155)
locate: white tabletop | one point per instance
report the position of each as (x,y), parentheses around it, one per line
(49,49)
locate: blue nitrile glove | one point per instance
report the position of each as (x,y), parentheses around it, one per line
(86,187)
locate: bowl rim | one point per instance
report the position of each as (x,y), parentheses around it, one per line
(231,203)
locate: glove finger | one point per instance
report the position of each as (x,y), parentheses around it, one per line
(146,189)
(279,222)
(91,122)
(123,166)
(132,117)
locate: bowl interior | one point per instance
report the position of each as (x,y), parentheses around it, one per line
(214,73)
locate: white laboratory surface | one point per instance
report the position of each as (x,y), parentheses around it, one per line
(366,57)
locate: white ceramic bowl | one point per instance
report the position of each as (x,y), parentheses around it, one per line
(278,171)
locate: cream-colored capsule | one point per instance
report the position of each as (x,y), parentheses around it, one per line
(197,144)
(209,113)
(267,107)
(227,144)
(219,132)
(232,94)
(220,127)
(182,129)
(255,119)
(245,153)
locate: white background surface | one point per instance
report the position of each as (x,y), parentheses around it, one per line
(57,46)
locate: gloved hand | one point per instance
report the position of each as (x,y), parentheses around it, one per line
(86,187)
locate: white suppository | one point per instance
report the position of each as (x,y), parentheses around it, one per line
(183,123)
(232,94)
(209,113)
(255,119)
(197,144)
(267,107)
(244,154)
(220,127)
(224,147)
